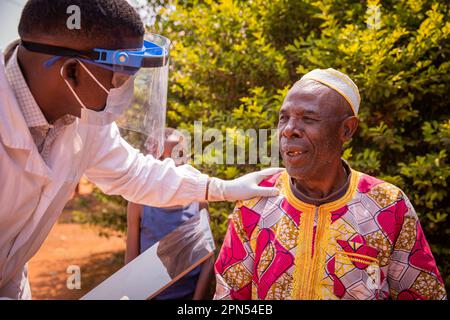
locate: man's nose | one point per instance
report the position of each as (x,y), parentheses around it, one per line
(292,129)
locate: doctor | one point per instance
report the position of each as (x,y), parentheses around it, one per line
(58,104)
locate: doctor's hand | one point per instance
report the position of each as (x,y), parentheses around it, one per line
(242,188)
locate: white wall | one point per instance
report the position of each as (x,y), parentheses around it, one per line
(10,11)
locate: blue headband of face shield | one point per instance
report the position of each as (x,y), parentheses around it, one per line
(126,61)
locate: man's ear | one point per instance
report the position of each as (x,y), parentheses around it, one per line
(70,71)
(349,126)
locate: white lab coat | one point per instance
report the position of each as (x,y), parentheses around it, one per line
(33,193)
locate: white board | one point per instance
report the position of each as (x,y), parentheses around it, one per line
(158,268)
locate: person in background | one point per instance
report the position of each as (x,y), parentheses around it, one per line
(147,225)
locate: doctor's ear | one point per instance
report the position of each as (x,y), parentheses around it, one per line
(69,70)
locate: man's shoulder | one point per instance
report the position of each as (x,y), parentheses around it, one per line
(248,214)
(383,192)
(275,180)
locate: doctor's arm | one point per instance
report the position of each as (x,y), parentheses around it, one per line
(119,169)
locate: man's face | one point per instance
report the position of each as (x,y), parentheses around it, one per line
(310,129)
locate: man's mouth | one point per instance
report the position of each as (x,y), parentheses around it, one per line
(293,152)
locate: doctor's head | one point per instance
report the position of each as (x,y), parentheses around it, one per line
(82,26)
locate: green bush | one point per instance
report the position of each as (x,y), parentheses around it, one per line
(232,62)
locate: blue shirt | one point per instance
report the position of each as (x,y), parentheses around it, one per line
(156,223)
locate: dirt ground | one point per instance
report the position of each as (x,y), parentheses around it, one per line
(72,244)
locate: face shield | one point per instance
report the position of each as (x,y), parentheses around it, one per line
(142,123)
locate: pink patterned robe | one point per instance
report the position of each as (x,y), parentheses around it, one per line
(366,245)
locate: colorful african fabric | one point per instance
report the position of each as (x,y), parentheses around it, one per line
(366,245)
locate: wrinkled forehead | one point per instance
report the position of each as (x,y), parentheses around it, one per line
(310,96)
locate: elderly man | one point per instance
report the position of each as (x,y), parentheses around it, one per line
(333,232)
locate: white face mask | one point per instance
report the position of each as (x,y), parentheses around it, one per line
(118,100)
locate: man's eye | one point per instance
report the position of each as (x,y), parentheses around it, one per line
(309,120)
(283,118)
